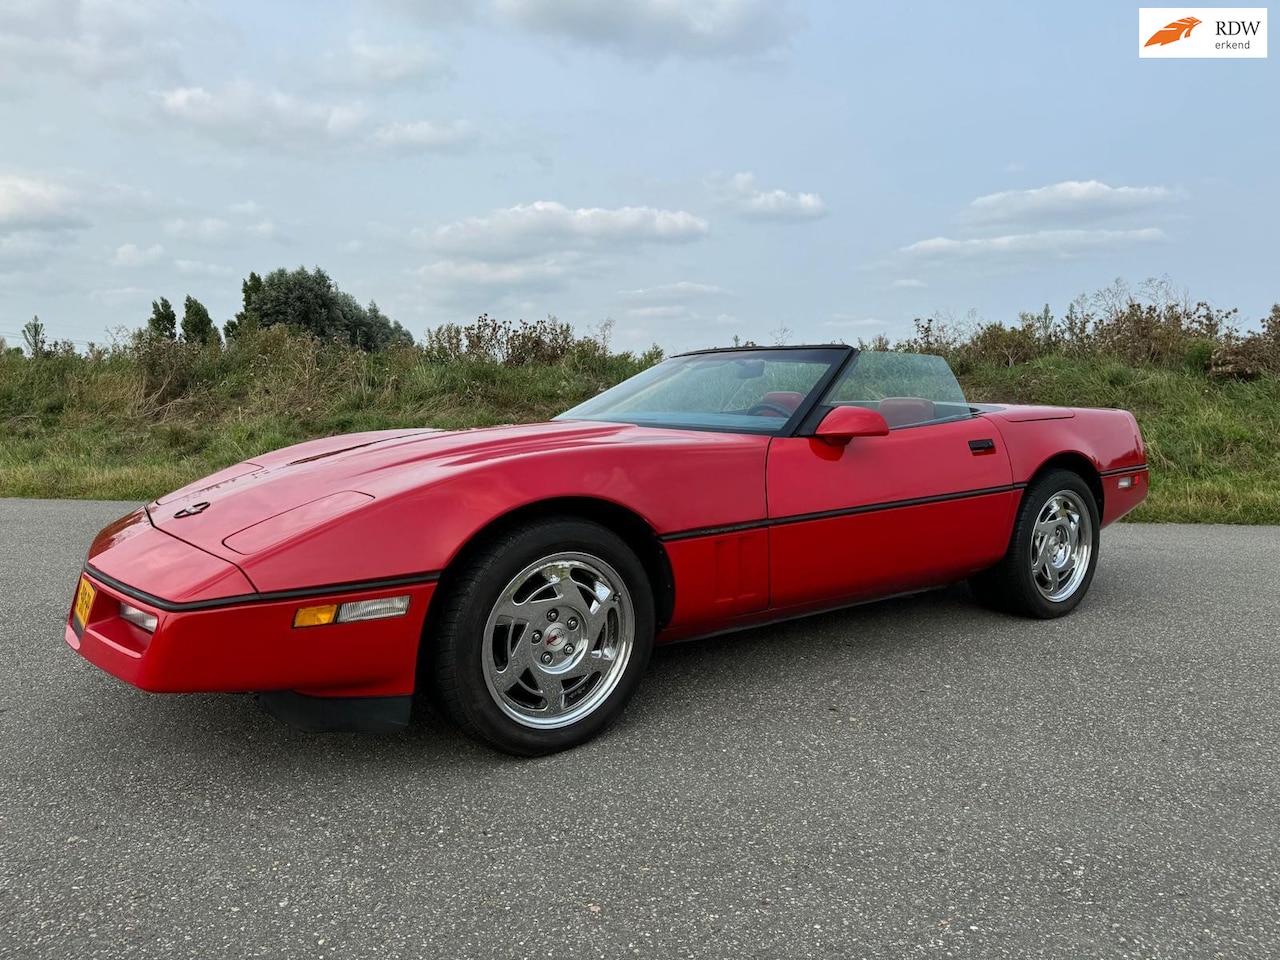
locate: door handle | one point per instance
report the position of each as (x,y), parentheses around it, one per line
(978,447)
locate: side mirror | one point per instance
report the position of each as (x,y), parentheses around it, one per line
(844,423)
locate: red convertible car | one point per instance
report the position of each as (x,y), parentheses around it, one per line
(519,576)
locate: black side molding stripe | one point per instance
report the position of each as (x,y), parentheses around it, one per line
(242,599)
(1119,470)
(832,514)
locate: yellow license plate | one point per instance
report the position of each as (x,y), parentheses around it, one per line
(85,593)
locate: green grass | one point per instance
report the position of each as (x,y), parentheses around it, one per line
(135,422)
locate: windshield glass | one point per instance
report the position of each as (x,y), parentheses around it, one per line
(747,391)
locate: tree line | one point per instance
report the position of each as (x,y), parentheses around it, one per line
(305,300)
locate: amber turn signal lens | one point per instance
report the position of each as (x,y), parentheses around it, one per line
(315,616)
(353,611)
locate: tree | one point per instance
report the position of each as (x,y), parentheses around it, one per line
(395,334)
(247,318)
(197,325)
(33,336)
(163,322)
(311,301)
(300,299)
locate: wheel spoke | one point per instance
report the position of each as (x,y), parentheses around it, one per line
(1042,547)
(1051,575)
(1073,534)
(1046,527)
(596,623)
(551,686)
(518,662)
(589,664)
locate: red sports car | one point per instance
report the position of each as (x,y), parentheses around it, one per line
(520,575)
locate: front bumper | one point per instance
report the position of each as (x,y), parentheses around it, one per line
(241,640)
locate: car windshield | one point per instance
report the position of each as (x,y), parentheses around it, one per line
(743,391)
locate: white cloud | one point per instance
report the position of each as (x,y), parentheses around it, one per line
(434,12)
(92,41)
(131,255)
(247,208)
(241,113)
(390,64)
(425,135)
(909,284)
(673,292)
(116,296)
(204,228)
(743,195)
(244,115)
(1069,200)
(28,203)
(200,268)
(538,274)
(1058,242)
(541,246)
(667,312)
(654,29)
(546,226)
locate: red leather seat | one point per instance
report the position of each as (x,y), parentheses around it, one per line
(787,399)
(901,411)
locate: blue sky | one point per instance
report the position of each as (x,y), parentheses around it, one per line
(690,170)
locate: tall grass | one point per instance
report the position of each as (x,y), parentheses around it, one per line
(149,414)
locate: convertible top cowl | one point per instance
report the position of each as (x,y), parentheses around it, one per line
(1023,414)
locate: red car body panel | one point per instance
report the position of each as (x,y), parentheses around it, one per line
(752,528)
(448,486)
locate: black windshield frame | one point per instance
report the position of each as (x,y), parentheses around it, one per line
(836,356)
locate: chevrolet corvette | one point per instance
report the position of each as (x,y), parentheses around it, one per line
(518,577)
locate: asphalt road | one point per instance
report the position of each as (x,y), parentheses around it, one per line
(912,778)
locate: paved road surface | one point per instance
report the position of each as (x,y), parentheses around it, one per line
(913,778)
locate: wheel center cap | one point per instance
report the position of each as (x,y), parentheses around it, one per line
(554,636)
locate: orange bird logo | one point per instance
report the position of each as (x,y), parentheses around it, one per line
(1178,30)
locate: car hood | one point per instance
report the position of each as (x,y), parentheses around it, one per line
(259,504)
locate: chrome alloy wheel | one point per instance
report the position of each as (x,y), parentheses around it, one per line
(558,640)
(1061,546)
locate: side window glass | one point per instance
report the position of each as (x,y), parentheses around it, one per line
(909,389)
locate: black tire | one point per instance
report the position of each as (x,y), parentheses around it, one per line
(580,589)
(1052,554)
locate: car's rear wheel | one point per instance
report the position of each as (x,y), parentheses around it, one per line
(1052,553)
(544,638)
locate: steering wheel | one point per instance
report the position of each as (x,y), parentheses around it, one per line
(768,409)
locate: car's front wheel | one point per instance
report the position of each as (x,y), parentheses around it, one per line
(545,636)
(1052,553)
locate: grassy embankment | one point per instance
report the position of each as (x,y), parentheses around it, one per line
(137,420)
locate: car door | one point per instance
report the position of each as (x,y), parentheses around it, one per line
(927,504)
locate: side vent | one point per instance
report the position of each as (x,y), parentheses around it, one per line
(736,576)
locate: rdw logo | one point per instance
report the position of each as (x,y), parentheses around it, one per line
(1202,32)
(1173,32)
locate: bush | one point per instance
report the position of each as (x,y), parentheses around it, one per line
(1197,355)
